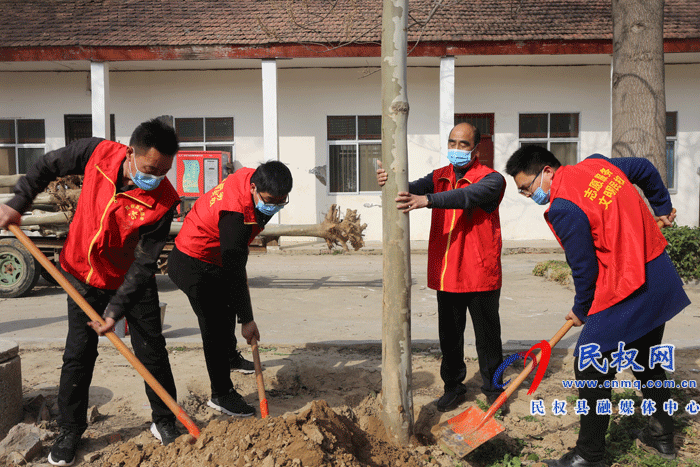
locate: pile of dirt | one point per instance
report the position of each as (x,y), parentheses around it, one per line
(315,436)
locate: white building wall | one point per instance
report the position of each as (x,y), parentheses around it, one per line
(510,91)
(308,96)
(683,96)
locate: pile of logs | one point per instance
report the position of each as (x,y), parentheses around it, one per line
(52,212)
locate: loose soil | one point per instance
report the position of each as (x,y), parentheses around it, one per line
(325,411)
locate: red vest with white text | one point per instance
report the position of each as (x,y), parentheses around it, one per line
(199,236)
(625,234)
(104,232)
(464,252)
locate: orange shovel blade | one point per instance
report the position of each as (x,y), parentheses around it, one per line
(462,434)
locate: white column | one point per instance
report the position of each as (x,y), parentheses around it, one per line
(447,102)
(99,83)
(270,123)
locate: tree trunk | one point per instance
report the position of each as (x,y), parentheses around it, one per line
(397,398)
(638,96)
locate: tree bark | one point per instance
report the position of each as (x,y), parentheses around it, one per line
(638,95)
(397,398)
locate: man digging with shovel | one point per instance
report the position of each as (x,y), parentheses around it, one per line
(110,256)
(626,286)
(209,261)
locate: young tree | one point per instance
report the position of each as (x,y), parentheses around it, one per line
(397,398)
(638,95)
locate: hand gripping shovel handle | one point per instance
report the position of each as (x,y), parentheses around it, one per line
(660,223)
(259,379)
(123,349)
(523,374)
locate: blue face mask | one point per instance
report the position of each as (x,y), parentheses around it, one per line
(144,181)
(539,196)
(268,209)
(459,157)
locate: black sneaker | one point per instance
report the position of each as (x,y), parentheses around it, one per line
(63,449)
(240,364)
(165,431)
(661,445)
(231,404)
(452,399)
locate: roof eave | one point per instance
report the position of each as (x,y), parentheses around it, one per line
(268,51)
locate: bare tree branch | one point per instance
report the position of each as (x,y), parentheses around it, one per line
(436,5)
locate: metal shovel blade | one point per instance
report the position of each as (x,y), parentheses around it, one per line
(462,434)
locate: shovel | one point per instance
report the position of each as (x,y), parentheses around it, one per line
(123,349)
(462,434)
(259,379)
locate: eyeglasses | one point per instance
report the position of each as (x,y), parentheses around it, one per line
(527,192)
(273,204)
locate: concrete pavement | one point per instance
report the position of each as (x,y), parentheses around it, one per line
(303,297)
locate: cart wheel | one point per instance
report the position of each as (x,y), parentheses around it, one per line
(19,271)
(48,277)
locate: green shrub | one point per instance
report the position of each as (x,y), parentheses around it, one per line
(684,250)
(554,270)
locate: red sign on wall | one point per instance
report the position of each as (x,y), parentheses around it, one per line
(199,171)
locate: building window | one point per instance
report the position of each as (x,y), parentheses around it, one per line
(671,139)
(78,126)
(558,132)
(205,134)
(22,142)
(354,145)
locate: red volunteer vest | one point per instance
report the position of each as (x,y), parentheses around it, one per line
(625,235)
(104,232)
(199,236)
(464,252)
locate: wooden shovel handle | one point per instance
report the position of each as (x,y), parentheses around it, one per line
(123,349)
(660,223)
(259,379)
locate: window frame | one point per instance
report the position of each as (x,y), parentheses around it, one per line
(549,139)
(17,145)
(350,142)
(672,139)
(189,145)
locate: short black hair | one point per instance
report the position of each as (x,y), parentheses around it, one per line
(530,160)
(273,177)
(155,134)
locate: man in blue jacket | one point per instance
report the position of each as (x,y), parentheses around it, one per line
(626,286)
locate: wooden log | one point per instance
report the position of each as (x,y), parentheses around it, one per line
(9,180)
(333,230)
(53,218)
(45,198)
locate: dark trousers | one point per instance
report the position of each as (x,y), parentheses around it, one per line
(591,438)
(205,287)
(81,353)
(452,321)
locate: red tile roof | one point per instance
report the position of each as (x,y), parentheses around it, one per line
(313,23)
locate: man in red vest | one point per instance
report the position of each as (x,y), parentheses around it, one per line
(120,226)
(209,261)
(464,260)
(626,286)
